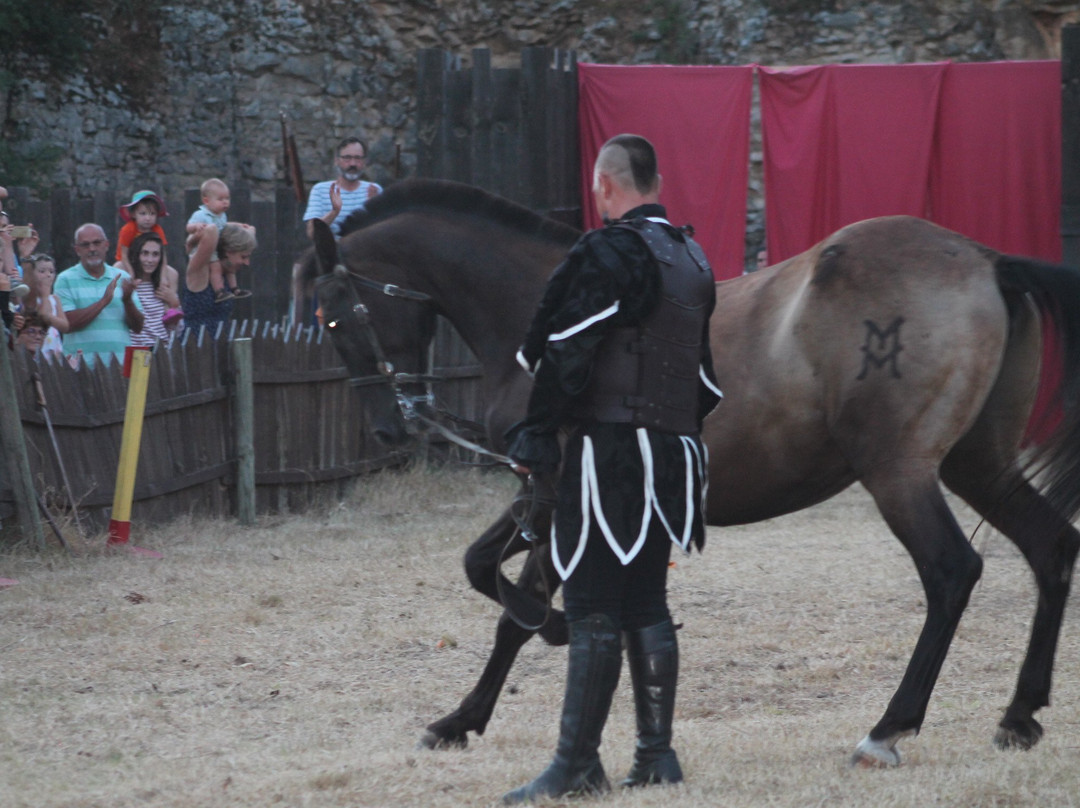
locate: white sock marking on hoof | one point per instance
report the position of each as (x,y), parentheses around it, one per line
(875,754)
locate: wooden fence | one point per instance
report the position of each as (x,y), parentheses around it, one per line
(311,434)
(512,131)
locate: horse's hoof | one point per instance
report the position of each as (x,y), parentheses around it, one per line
(432,740)
(1018,734)
(870,754)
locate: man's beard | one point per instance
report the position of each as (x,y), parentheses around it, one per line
(350,174)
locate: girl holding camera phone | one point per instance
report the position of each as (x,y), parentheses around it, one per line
(17,242)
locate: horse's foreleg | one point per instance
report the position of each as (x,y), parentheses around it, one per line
(482,557)
(948,567)
(482,566)
(528,594)
(1050,545)
(475,710)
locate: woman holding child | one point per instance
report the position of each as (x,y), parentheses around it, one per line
(156,287)
(232,248)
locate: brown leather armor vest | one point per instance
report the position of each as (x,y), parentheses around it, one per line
(647,375)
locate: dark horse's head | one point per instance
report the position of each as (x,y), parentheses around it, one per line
(380,327)
(474,257)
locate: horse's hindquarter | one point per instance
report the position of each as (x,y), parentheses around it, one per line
(913,325)
(769,446)
(877,348)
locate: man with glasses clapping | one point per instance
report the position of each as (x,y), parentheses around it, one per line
(101,317)
(333,200)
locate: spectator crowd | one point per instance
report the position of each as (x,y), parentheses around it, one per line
(95,309)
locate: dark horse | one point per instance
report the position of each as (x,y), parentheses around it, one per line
(894,353)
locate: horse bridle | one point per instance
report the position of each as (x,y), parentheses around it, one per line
(409,405)
(525,505)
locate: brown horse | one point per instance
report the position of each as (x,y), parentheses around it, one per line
(894,353)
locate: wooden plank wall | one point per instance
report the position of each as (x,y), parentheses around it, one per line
(512,131)
(311,434)
(1070,144)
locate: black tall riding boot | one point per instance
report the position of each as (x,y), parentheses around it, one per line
(652,654)
(592,674)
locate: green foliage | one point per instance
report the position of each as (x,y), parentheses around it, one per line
(35,36)
(678,44)
(54,31)
(114,43)
(127,56)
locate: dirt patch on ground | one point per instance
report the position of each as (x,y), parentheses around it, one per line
(296,663)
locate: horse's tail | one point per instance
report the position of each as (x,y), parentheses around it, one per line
(1055,290)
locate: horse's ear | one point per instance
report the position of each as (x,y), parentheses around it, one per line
(326,253)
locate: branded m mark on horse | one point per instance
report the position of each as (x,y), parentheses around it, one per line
(894,353)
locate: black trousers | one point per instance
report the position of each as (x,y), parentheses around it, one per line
(633,596)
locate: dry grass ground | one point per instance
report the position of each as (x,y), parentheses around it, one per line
(296,663)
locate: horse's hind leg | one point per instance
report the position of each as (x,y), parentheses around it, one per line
(1050,544)
(914,507)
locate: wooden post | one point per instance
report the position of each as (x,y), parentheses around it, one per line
(244,413)
(535,69)
(1070,144)
(483,169)
(14,442)
(566,161)
(432,65)
(63,229)
(507,149)
(261,276)
(290,242)
(137,370)
(459,113)
(106,213)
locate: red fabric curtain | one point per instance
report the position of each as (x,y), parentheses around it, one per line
(698,118)
(975,147)
(997,161)
(844,143)
(997,178)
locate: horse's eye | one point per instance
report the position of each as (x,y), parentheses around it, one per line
(332,324)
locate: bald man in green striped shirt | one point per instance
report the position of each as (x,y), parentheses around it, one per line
(101,316)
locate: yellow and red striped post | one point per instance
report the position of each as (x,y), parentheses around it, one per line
(137,369)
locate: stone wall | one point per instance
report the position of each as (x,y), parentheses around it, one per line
(228,68)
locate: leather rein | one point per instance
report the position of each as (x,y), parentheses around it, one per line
(525,506)
(410,406)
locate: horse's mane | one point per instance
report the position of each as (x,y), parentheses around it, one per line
(457,198)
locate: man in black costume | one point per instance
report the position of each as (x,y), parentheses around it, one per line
(619,349)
